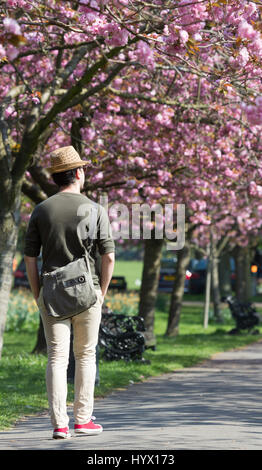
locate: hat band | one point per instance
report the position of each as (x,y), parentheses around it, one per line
(67,166)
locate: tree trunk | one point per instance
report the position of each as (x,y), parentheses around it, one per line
(216,290)
(40,347)
(243,273)
(8,241)
(207,289)
(215,281)
(183,258)
(224,271)
(149,287)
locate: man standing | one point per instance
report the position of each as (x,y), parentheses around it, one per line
(56,227)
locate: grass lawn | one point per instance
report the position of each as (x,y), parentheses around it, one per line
(22,374)
(132,270)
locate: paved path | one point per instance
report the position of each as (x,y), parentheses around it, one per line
(214,406)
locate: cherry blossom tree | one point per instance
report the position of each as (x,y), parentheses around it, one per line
(217,167)
(59,59)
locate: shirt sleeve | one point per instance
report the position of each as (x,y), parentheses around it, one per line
(32,239)
(105,239)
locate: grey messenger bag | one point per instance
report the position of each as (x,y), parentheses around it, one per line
(69,290)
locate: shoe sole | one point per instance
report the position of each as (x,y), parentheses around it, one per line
(61,436)
(89,432)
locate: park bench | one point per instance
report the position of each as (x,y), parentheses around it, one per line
(118,283)
(244,314)
(120,337)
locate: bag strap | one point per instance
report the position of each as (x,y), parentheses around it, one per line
(92,229)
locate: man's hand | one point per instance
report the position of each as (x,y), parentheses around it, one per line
(33,275)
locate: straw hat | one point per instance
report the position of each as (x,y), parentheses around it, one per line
(65,158)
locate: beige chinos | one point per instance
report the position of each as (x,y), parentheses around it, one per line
(85,334)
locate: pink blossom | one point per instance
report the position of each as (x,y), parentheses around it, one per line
(145,54)
(11,26)
(256,46)
(113,106)
(19,3)
(2,51)
(9,111)
(11,52)
(172,31)
(258,101)
(34,36)
(139,161)
(118,81)
(259,209)
(119,162)
(199,205)
(246,30)
(243,57)
(183,34)
(231,174)
(163,175)
(35,100)
(250,9)
(218,153)
(254,112)
(72,38)
(114,35)
(191,13)
(99,175)
(218,14)
(255,189)
(119,3)
(197,37)
(89,133)
(201,218)
(164,117)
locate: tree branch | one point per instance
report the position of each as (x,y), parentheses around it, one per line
(36,127)
(40,176)
(150,99)
(99,87)
(33,192)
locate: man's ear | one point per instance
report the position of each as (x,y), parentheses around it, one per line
(78,173)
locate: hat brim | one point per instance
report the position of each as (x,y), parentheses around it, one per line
(60,168)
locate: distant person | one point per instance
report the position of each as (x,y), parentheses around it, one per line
(54,228)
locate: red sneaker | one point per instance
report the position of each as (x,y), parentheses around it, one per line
(61,433)
(89,428)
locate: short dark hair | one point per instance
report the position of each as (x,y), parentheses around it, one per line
(65,178)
